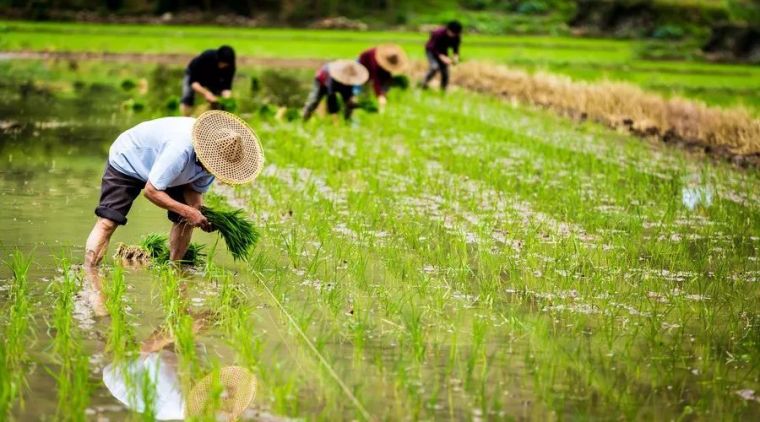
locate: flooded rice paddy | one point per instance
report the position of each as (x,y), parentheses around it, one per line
(454,258)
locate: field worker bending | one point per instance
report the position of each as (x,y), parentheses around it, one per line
(383,62)
(174,160)
(210,74)
(437,52)
(339,77)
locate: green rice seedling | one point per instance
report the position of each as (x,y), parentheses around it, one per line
(368,104)
(73,377)
(180,324)
(128,84)
(157,246)
(14,346)
(172,103)
(195,255)
(292,114)
(226,104)
(122,345)
(400,81)
(237,231)
(121,338)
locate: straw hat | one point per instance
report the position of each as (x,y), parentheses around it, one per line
(391,57)
(348,72)
(239,388)
(227,147)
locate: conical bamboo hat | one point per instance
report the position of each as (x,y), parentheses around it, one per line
(227,147)
(392,58)
(348,72)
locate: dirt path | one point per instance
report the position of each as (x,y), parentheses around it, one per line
(171,58)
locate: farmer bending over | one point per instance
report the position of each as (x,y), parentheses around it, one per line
(334,78)
(175,160)
(383,62)
(210,75)
(437,52)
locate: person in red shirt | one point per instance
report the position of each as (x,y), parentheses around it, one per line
(339,77)
(437,52)
(383,62)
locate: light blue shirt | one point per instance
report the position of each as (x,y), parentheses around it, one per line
(161,151)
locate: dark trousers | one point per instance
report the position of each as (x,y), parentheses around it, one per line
(319,91)
(435,65)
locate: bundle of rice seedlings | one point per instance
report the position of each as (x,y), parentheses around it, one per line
(156,245)
(370,105)
(237,231)
(154,248)
(131,254)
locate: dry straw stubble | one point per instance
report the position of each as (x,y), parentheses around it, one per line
(619,105)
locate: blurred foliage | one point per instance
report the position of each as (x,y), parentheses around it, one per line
(281,88)
(128,84)
(400,81)
(669,19)
(745,11)
(668,32)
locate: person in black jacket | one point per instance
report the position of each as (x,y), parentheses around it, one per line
(210,74)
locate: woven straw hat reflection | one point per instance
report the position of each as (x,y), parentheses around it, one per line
(227,147)
(392,58)
(239,389)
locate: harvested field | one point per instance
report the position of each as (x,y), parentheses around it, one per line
(623,106)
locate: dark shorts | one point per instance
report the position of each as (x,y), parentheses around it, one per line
(118,191)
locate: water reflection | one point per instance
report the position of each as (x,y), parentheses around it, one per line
(693,196)
(150,383)
(155,370)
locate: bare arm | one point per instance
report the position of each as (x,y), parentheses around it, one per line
(192,215)
(197,87)
(161,337)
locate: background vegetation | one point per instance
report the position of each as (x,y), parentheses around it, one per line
(670,17)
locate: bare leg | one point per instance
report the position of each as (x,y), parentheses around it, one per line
(312,102)
(97,242)
(95,250)
(179,240)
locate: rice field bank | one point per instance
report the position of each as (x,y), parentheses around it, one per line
(456,257)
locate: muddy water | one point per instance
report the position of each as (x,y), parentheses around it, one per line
(53,154)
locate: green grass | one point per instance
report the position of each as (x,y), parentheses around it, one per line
(580,58)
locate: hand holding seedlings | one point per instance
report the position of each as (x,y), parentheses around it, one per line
(238,232)
(195,218)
